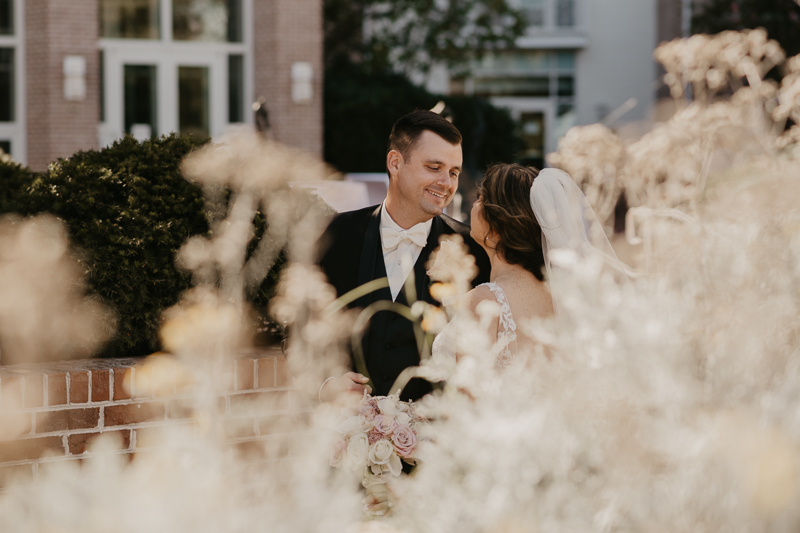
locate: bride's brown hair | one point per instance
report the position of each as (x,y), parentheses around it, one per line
(505,193)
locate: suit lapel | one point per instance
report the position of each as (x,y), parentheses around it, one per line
(420,267)
(369,253)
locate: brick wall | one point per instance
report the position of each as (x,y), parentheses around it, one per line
(54,29)
(287,31)
(50,413)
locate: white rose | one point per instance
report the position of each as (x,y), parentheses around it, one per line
(357,450)
(403,419)
(353,425)
(381,452)
(387,407)
(395,465)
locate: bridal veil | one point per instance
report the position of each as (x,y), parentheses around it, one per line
(569,226)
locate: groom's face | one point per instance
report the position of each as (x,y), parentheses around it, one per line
(424,182)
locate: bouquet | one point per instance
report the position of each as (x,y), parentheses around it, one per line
(376,437)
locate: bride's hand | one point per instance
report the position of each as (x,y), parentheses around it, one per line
(378,500)
(351,383)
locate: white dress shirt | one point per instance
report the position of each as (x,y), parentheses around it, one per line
(400,259)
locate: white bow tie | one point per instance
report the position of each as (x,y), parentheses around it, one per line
(392,237)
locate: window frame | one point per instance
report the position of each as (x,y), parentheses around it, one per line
(14,131)
(550,17)
(177,51)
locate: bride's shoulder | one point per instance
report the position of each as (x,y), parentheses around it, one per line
(481,293)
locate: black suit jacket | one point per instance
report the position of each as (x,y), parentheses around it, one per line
(352,255)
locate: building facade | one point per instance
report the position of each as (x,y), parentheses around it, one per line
(78,74)
(579,62)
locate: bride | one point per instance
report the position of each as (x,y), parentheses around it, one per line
(522,218)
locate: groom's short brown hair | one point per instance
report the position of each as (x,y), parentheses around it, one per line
(408,129)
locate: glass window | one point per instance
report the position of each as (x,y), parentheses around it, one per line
(5,146)
(235,88)
(140,101)
(565,13)
(6,17)
(129,19)
(207,20)
(566,60)
(532,131)
(235,21)
(565,119)
(534,12)
(566,86)
(513,62)
(7,85)
(193,101)
(537,86)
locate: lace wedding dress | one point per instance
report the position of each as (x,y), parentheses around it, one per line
(445,341)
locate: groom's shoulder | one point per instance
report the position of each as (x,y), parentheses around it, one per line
(345,231)
(454,226)
(352,219)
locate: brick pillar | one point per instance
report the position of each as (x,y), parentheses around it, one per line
(285,32)
(57,127)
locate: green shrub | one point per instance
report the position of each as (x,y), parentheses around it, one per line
(14,180)
(128,210)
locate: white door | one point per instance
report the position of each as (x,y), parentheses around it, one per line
(149,92)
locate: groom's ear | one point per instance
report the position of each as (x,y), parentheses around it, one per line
(393,162)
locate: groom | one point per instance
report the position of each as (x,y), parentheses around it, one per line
(395,238)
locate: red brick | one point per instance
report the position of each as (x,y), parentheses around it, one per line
(142,382)
(266,373)
(274,424)
(153,436)
(289,31)
(100,391)
(78,442)
(67,419)
(134,413)
(16,475)
(244,374)
(282,376)
(255,403)
(12,392)
(122,388)
(12,425)
(261,449)
(34,390)
(180,409)
(27,449)
(56,127)
(60,467)
(56,389)
(239,428)
(79,387)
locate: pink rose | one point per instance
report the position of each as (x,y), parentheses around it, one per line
(374,436)
(367,411)
(404,440)
(383,424)
(338,454)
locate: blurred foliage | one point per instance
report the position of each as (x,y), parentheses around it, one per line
(366,79)
(361,107)
(128,210)
(412,35)
(14,179)
(781,19)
